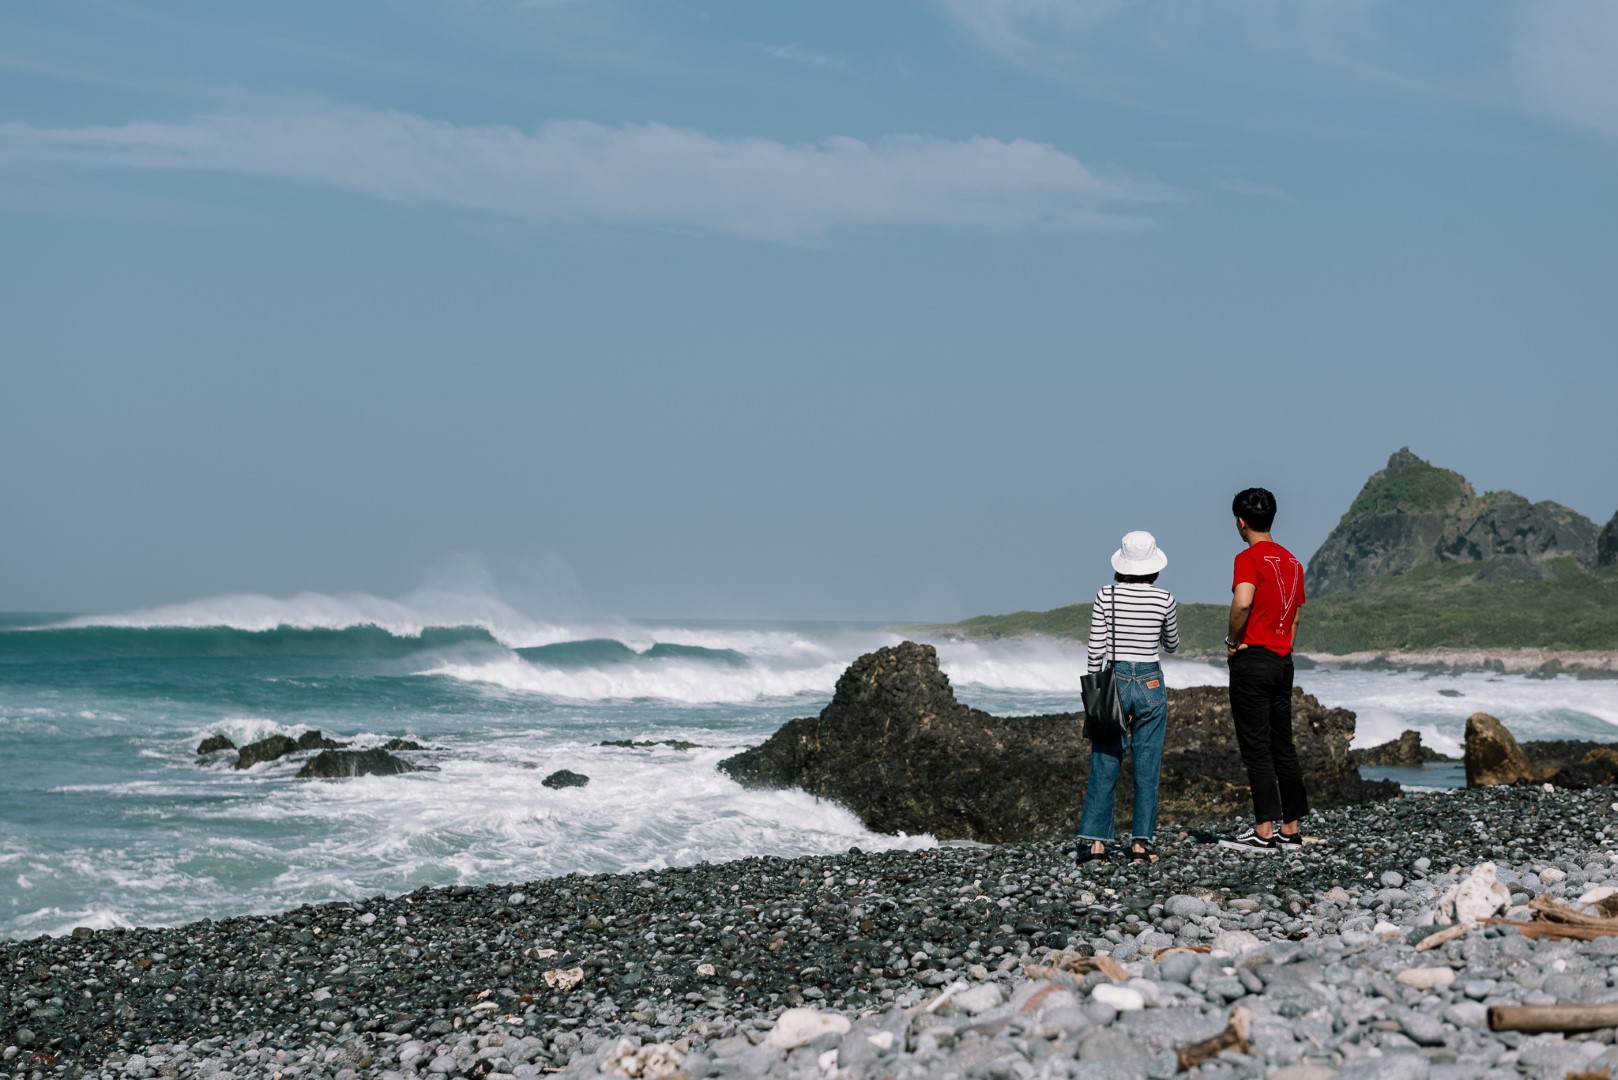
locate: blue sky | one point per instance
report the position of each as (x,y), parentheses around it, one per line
(898,309)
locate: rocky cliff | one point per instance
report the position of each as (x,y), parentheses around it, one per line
(1607,545)
(1414,514)
(897,749)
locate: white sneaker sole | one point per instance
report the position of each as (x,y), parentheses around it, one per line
(1234,846)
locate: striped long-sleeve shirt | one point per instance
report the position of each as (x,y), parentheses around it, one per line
(1146,617)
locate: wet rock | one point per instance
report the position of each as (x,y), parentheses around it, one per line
(345,764)
(314,740)
(564,778)
(271,748)
(213,744)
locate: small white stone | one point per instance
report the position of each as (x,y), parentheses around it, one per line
(705,969)
(977,999)
(1235,942)
(1121,998)
(828,1060)
(882,1040)
(1478,896)
(1551,875)
(1386,930)
(367,919)
(1598,894)
(1547,788)
(564,978)
(795,1027)
(1426,978)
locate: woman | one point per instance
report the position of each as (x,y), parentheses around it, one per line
(1130,620)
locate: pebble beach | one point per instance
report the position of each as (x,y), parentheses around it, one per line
(961,960)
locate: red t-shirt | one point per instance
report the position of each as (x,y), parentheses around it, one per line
(1277,580)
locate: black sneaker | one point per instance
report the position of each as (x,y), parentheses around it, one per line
(1253,842)
(1295,840)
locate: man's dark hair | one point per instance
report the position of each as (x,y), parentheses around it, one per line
(1255,506)
(1134,579)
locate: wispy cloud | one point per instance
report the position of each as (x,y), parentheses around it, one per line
(797,54)
(1017,30)
(648,174)
(1567,58)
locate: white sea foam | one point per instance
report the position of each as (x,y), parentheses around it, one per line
(687,682)
(317,611)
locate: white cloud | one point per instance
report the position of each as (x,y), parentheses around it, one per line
(797,54)
(648,174)
(1567,58)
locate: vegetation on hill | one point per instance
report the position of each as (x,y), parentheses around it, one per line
(1428,608)
(1416,487)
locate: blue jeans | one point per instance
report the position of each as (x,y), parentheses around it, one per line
(1149,705)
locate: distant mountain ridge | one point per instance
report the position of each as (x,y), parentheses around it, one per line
(1413,514)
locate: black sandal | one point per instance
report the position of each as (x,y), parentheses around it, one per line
(1087,853)
(1140,852)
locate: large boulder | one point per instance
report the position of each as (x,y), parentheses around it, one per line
(1492,755)
(896,748)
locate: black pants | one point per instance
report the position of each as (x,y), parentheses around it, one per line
(1261,704)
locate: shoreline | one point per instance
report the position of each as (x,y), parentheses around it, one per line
(519,979)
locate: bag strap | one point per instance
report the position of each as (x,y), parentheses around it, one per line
(1112,627)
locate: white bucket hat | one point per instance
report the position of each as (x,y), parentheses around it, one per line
(1138,553)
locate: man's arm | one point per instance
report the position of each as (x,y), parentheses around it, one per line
(1241,606)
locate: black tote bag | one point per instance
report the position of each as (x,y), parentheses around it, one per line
(1103,713)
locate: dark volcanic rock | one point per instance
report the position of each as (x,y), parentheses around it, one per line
(215,743)
(266,749)
(1405,750)
(314,740)
(563,778)
(343,764)
(897,748)
(1414,514)
(632,744)
(402,744)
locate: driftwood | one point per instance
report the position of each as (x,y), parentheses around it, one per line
(1443,937)
(1234,1037)
(1158,954)
(1074,964)
(1554,919)
(1552,1017)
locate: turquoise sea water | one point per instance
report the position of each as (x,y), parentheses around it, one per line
(108,817)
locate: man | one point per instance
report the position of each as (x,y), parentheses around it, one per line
(1266,593)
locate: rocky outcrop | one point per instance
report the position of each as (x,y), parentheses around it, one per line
(314,740)
(1607,545)
(345,764)
(564,778)
(1413,514)
(897,749)
(1406,750)
(213,744)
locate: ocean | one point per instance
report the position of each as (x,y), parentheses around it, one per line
(109,818)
